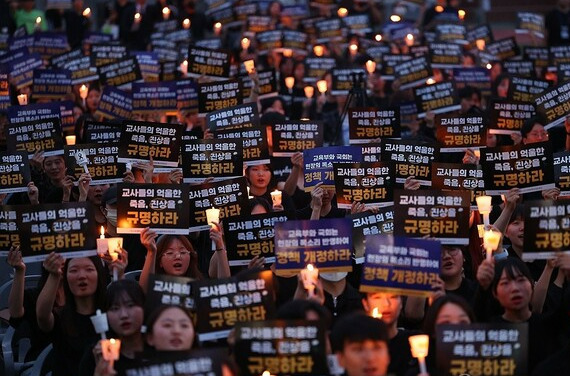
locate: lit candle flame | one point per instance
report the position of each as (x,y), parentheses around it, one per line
(186,23)
(378,37)
(87,12)
(395,18)
(102,233)
(376,314)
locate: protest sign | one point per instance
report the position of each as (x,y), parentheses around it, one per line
(530,23)
(412,73)
(207,62)
(15,172)
(254,140)
(547,229)
(370,183)
(295,136)
(9,235)
(198,362)
(503,49)
(318,164)
(526,89)
(562,172)
(218,159)
(554,105)
(101,162)
(236,117)
(153,97)
(411,159)
(370,223)
(458,133)
(507,117)
(219,95)
(169,290)
(367,124)
(121,73)
(115,104)
(32,136)
(438,98)
(101,132)
(445,55)
(51,83)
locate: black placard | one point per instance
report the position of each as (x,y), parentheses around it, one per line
(526,89)
(506,116)
(343,80)
(121,73)
(411,159)
(103,54)
(219,95)
(220,159)
(316,67)
(169,290)
(255,149)
(35,135)
(295,136)
(101,162)
(9,235)
(14,172)
(370,183)
(51,83)
(115,104)
(368,123)
(562,172)
(438,98)
(457,133)
(381,221)
(236,117)
(504,49)
(152,97)
(554,104)
(208,62)
(413,72)
(445,55)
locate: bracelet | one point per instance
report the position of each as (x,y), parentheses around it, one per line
(220,249)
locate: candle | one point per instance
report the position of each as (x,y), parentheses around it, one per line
(395,18)
(480,44)
(410,40)
(99,321)
(489,66)
(481,230)
(484,207)
(137,18)
(184,67)
(378,37)
(102,236)
(70,140)
(249,66)
(87,12)
(83,92)
(309,91)
(342,12)
(319,50)
(491,240)
(461,14)
(370,66)
(212,215)
(376,314)
(245,43)
(23,99)
(287,52)
(276,197)
(186,23)
(218,28)
(477,153)
(111,349)
(165,13)
(309,277)
(322,86)
(419,345)
(439,8)
(353,48)
(38,23)
(430,81)
(289,83)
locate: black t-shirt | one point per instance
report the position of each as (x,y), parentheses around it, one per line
(401,359)
(466,290)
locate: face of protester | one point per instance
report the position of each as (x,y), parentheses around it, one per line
(389,306)
(172,331)
(125,316)
(491,140)
(536,134)
(54,168)
(258,209)
(96,192)
(92,99)
(82,277)
(451,313)
(503,88)
(175,259)
(451,262)
(366,358)
(515,233)
(514,294)
(467,103)
(259,176)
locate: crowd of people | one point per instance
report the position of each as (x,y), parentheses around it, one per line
(470,289)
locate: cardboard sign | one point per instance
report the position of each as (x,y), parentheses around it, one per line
(413,72)
(438,98)
(51,83)
(22,70)
(267,84)
(169,290)
(528,167)
(101,133)
(451,33)
(538,55)
(532,23)
(236,117)
(367,124)
(295,136)
(14,172)
(329,30)
(562,172)
(101,162)
(206,62)
(442,215)
(222,303)
(445,55)
(142,141)
(548,224)
(504,49)
(458,133)
(343,80)
(318,164)
(317,67)
(162,207)
(220,159)
(198,362)
(67,228)
(154,97)
(468,349)
(9,235)
(121,73)
(553,104)
(248,237)
(103,54)
(230,196)
(399,265)
(411,159)
(35,135)
(326,244)
(115,104)
(526,89)
(281,347)
(365,182)
(506,116)
(523,68)
(219,95)
(370,223)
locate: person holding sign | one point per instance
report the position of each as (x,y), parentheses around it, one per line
(71,329)
(259,178)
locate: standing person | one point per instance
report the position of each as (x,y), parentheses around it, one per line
(71,329)
(27,15)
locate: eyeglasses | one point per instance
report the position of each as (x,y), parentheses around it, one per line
(172,254)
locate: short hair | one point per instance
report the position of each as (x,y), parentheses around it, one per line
(357,327)
(124,287)
(162,244)
(514,267)
(529,124)
(437,305)
(468,91)
(518,213)
(297,310)
(255,201)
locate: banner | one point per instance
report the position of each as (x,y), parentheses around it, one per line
(295,136)
(318,164)
(222,303)
(37,135)
(485,349)
(442,215)
(161,207)
(68,229)
(412,158)
(249,237)
(458,133)
(368,183)
(547,225)
(220,159)
(101,162)
(400,265)
(326,244)
(528,167)
(381,221)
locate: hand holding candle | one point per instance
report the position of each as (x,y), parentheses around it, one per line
(111,349)
(419,346)
(276,197)
(309,277)
(23,99)
(100,323)
(491,240)
(484,207)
